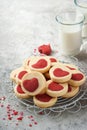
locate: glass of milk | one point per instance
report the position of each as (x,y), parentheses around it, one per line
(70,32)
(81,6)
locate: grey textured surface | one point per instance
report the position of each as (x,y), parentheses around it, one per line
(24,25)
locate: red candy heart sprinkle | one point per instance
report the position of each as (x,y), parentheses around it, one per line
(31,85)
(43,97)
(77,76)
(60,73)
(42,63)
(55,86)
(19,89)
(21,74)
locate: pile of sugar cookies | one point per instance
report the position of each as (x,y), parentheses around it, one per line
(44,79)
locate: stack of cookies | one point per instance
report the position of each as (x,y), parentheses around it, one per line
(45,79)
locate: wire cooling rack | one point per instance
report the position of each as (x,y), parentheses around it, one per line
(72,105)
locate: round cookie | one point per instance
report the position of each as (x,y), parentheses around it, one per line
(72,91)
(26,62)
(71,67)
(44,100)
(13,74)
(77,79)
(56,89)
(60,73)
(20,75)
(19,92)
(33,83)
(53,60)
(40,63)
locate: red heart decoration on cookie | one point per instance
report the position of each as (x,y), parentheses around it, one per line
(55,86)
(60,73)
(69,88)
(70,68)
(19,89)
(40,64)
(31,85)
(21,74)
(53,60)
(43,97)
(77,76)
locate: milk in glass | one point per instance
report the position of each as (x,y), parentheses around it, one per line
(70,41)
(70,32)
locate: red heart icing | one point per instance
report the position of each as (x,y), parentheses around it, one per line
(69,88)
(19,89)
(53,60)
(77,76)
(31,85)
(60,73)
(21,74)
(70,68)
(42,63)
(43,97)
(55,86)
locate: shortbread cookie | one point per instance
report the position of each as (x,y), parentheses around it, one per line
(71,67)
(20,75)
(56,89)
(33,83)
(77,79)
(53,60)
(60,74)
(13,74)
(41,64)
(44,100)
(72,91)
(19,92)
(26,62)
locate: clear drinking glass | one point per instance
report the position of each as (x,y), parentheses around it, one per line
(70,32)
(81,6)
